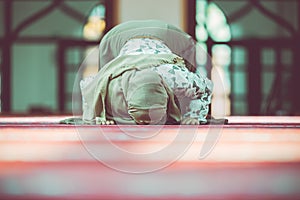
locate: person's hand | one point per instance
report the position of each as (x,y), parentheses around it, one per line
(190,121)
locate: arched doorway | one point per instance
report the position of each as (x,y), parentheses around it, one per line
(93,30)
(211,26)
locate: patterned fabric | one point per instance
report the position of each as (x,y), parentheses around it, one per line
(97,91)
(192,90)
(144,46)
(177,40)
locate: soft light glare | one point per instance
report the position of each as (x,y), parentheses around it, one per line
(220,101)
(94,28)
(216,24)
(221,55)
(201,33)
(213,23)
(221,34)
(215,18)
(220,107)
(200,14)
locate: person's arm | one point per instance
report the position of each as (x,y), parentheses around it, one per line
(193,92)
(196,112)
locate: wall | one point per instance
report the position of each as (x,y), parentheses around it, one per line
(34,65)
(1,18)
(255,24)
(171,11)
(34,69)
(34,77)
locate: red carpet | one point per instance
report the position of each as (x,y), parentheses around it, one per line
(251,158)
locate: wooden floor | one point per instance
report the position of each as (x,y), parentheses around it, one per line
(250,158)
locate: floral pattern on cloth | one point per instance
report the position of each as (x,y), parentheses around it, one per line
(193,90)
(137,46)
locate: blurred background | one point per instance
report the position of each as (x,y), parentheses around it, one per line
(254,46)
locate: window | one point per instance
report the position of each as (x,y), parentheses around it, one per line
(211,24)
(95,24)
(82,55)
(93,30)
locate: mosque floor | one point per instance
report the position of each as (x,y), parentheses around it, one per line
(248,158)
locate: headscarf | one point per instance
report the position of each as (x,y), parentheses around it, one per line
(95,92)
(146,96)
(177,40)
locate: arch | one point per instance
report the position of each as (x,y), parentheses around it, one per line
(95,24)
(212,26)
